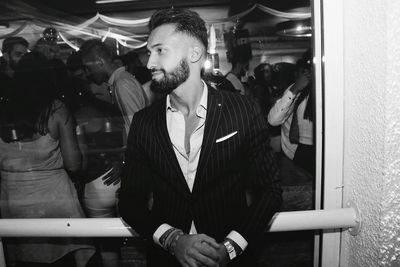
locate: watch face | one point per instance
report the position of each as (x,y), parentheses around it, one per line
(230,249)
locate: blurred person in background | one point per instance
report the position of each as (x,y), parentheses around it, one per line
(134,65)
(261,88)
(127,93)
(283,75)
(80,94)
(49,48)
(39,151)
(294,111)
(240,66)
(13,49)
(217,80)
(101,144)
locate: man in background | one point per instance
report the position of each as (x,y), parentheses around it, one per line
(13,49)
(240,66)
(126,92)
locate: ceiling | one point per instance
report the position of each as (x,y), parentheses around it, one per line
(39,14)
(89,7)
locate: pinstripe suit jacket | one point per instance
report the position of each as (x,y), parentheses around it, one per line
(226,170)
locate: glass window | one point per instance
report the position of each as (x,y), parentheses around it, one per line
(65,114)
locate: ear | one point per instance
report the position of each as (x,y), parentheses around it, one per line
(6,57)
(196,54)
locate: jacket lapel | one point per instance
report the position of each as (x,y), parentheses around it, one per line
(214,107)
(173,171)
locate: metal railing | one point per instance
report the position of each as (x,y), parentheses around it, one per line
(345,218)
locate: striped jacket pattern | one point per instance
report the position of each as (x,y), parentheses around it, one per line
(236,161)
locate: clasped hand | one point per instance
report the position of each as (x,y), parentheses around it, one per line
(302,81)
(200,250)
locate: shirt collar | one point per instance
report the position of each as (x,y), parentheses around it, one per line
(201,110)
(114,75)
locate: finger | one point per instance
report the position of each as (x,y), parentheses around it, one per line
(117,182)
(105,177)
(109,174)
(211,241)
(191,262)
(111,179)
(205,249)
(107,180)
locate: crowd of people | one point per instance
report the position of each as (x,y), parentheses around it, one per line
(181,154)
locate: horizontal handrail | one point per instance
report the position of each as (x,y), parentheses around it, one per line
(116,227)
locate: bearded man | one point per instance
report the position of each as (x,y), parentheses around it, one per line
(192,157)
(13,49)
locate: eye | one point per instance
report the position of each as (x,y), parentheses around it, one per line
(160,50)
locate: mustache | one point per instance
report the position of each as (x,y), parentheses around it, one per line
(155,69)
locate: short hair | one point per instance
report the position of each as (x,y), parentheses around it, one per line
(186,21)
(9,43)
(96,47)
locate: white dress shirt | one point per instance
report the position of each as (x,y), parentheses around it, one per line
(189,161)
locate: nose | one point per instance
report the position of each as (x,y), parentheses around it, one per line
(151,62)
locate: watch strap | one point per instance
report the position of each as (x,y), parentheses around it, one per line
(230,249)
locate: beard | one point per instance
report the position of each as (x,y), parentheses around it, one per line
(171,80)
(13,64)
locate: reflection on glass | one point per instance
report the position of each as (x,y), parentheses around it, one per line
(63,137)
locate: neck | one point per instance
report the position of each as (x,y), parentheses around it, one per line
(187,96)
(236,71)
(110,69)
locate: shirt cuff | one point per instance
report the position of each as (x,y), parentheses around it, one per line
(289,95)
(238,239)
(160,231)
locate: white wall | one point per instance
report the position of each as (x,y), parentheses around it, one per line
(372,130)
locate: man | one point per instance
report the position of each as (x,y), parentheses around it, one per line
(13,49)
(126,91)
(192,156)
(239,68)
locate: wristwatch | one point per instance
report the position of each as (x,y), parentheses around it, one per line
(230,249)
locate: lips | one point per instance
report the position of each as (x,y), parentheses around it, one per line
(157,73)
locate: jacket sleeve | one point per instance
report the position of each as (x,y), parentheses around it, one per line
(136,184)
(262,178)
(282,108)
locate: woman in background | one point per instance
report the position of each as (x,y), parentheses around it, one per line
(38,149)
(261,87)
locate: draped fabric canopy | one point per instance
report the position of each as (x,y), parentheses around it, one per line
(102,27)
